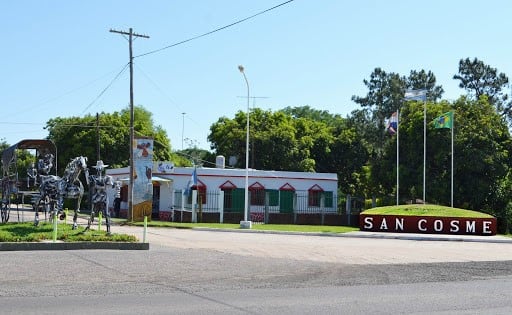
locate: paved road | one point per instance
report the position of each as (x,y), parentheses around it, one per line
(208,272)
(352,248)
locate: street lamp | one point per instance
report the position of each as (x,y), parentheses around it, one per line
(245,223)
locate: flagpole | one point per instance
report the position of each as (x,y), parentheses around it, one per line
(453,127)
(424,143)
(397,156)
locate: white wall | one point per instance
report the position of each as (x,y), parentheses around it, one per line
(214,178)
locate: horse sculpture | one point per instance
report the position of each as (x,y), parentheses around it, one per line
(54,189)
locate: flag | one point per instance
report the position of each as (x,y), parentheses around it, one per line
(444,121)
(192,183)
(392,125)
(415,95)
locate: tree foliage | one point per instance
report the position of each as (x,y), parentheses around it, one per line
(479,79)
(294,139)
(76,136)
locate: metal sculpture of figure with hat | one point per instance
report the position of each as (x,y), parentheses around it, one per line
(98,193)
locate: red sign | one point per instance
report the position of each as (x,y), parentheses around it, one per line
(427,225)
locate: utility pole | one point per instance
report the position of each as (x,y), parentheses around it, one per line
(98,137)
(130,34)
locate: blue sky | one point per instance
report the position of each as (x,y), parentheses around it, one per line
(58,56)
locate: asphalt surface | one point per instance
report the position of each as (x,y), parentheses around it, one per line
(198,271)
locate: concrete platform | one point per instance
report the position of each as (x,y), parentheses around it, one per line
(23,246)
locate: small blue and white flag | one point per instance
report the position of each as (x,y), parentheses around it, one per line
(415,95)
(192,183)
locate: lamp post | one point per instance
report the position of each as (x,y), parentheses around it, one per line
(245,223)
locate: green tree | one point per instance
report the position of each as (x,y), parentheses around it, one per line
(75,136)
(418,80)
(479,79)
(272,138)
(296,139)
(482,156)
(481,160)
(385,96)
(311,114)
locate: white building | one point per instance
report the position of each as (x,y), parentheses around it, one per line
(222,190)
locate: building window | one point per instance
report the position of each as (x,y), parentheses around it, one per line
(257,197)
(315,196)
(228,188)
(257,194)
(201,194)
(228,199)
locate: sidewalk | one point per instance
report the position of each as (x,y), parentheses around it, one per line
(431,237)
(382,235)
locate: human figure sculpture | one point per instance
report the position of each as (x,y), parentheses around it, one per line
(98,185)
(31,175)
(45,164)
(43,168)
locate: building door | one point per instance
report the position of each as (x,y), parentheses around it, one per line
(156,202)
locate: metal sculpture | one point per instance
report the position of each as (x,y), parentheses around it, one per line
(98,191)
(54,189)
(11,187)
(7,189)
(43,168)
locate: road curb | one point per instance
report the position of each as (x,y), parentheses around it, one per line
(27,246)
(377,235)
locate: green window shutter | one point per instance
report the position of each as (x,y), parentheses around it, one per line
(273,197)
(238,202)
(328,196)
(286,201)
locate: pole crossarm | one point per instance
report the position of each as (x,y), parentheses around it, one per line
(128,33)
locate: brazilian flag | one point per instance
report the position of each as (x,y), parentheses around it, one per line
(444,121)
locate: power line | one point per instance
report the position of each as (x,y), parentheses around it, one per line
(214,31)
(18,123)
(106,88)
(44,102)
(159,89)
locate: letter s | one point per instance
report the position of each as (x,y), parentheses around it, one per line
(368,223)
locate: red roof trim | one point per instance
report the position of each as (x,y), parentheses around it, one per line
(287,187)
(315,188)
(256,186)
(228,185)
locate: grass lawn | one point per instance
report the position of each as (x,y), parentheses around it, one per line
(259,227)
(426,210)
(27,232)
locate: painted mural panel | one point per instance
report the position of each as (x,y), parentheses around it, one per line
(142,185)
